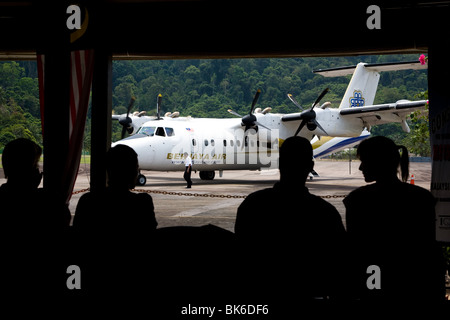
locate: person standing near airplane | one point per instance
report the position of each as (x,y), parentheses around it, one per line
(391,225)
(187,170)
(289,237)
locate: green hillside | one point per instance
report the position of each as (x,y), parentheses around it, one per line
(205,88)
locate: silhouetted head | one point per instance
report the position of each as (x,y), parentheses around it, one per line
(20,162)
(122,166)
(381,159)
(296,160)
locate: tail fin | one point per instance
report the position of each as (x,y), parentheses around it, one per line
(363,86)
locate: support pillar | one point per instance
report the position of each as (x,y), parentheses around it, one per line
(439,119)
(101,118)
(56,118)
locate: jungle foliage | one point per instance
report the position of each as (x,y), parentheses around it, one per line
(207,88)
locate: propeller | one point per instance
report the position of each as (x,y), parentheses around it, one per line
(308,117)
(234,113)
(294,101)
(249,120)
(126,121)
(158,106)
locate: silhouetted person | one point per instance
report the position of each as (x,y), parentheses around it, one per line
(116,227)
(391,224)
(292,241)
(33,225)
(187,170)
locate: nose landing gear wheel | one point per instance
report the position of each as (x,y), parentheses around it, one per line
(141,180)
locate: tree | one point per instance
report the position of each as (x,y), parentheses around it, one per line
(10,74)
(14,124)
(418,140)
(207,88)
(19,105)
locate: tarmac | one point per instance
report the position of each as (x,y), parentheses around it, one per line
(216,201)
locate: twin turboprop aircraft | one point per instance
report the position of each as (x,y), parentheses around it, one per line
(252,142)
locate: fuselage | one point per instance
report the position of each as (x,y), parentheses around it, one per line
(223,144)
(252,141)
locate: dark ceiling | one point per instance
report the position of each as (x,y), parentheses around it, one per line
(213,29)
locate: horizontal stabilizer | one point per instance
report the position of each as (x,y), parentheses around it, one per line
(407,106)
(384,113)
(378,67)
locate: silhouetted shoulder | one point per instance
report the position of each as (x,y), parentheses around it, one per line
(144,197)
(393,211)
(115,210)
(36,208)
(145,210)
(392,192)
(276,209)
(267,194)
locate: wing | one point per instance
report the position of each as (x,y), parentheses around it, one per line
(384,113)
(378,67)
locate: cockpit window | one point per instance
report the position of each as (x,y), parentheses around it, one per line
(160,132)
(149,131)
(170,132)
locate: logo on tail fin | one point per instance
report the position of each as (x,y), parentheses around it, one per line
(357,100)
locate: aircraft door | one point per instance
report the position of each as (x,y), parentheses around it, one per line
(152,152)
(157,148)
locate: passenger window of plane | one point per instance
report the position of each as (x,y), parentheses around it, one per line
(231,143)
(170,132)
(194,143)
(238,143)
(206,143)
(213,142)
(224,142)
(160,132)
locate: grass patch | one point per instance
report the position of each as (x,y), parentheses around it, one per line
(85,159)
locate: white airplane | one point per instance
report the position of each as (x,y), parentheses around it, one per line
(252,142)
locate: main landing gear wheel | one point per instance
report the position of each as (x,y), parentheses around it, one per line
(207,175)
(141,180)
